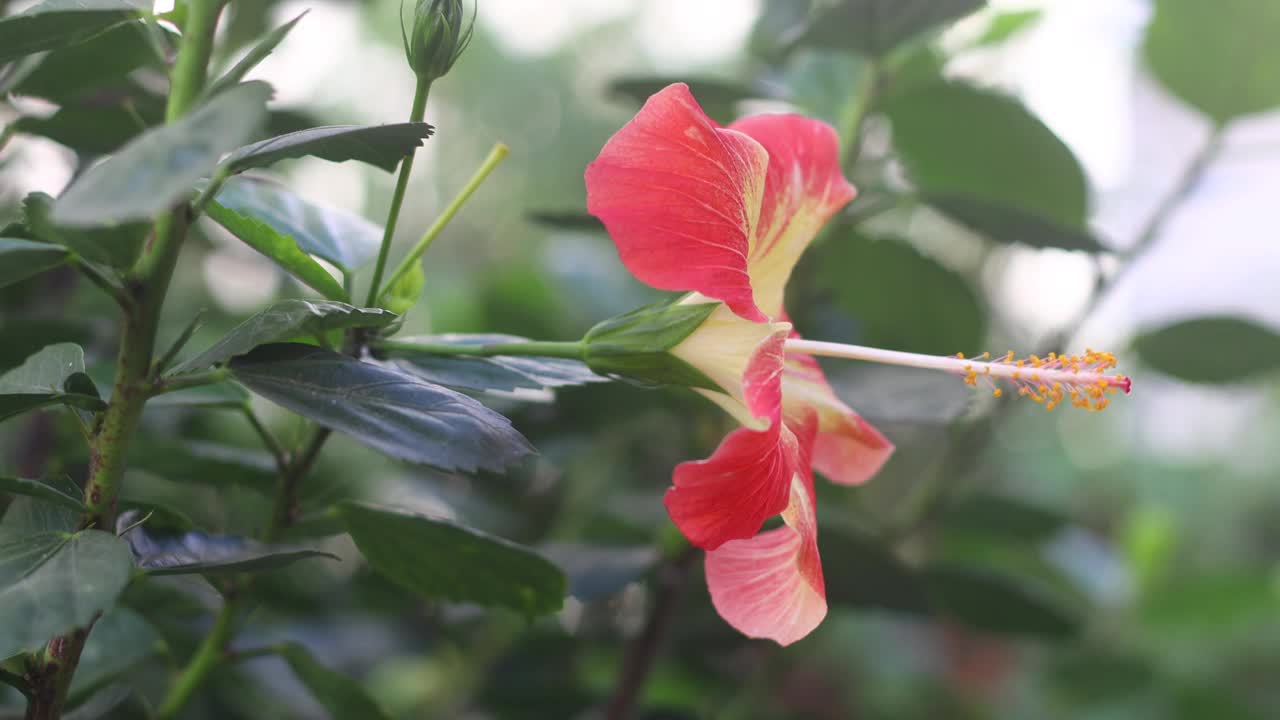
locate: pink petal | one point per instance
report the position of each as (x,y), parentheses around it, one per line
(804,187)
(848,450)
(681,197)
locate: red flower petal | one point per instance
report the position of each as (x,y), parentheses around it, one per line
(848,450)
(681,198)
(804,187)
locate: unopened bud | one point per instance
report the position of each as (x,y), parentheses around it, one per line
(636,346)
(437,39)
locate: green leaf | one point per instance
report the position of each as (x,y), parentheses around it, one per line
(257,54)
(76,70)
(58,492)
(90,130)
(41,381)
(959,143)
(21,259)
(1007,518)
(161,166)
(199,552)
(901,299)
(120,641)
(871,575)
(1211,605)
(382,146)
(382,407)
(1007,24)
(51,582)
(337,693)
(719,98)
(998,602)
(487,373)
(598,572)
(441,560)
(876,27)
(1216,349)
(1219,57)
(575,220)
(346,240)
(213,464)
(283,250)
(226,395)
(286,320)
(58,23)
(401,297)
(1011,225)
(115,247)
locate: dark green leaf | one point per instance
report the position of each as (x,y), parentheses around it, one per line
(348,241)
(72,71)
(382,146)
(120,640)
(58,23)
(998,602)
(214,395)
(251,59)
(21,259)
(1002,516)
(870,575)
(598,572)
(337,693)
(286,320)
(901,299)
(876,27)
(1216,349)
(718,98)
(41,381)
(1219,57)
(958,141)
(60,492)
(1092,676)
(283,250)
(1211,605)
(198,552)
(90,130)
(386,409)
(160,167)
(51,582)
(440,560)
(1008,224)
(205,462)
(116,246)
(491,373)
(578,220)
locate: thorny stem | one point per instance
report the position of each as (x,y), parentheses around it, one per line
(571,350)
(496,155)
(54,668)
(416,113)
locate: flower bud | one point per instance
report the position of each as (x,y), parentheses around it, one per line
(635,346)
(438,38)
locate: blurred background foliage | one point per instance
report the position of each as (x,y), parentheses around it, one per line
(1032,175)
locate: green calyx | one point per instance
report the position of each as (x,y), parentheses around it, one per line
(635,346)
(437,39)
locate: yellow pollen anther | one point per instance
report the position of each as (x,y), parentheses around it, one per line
(1051,380)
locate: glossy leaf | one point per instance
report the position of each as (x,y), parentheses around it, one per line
(384,408)
(41,381)
(487,373)
(346,240)
(53,24)
(876,27)
(257,54)
(382,146)
(337,693)
(116,246)
(1218,57)
(79,69)
(51,582)
(286,320)
(441,560)
(598,572)
(964,145)
(999,602)
(21,259)
(60,491)
(1217,349)
(901,299)
(160,167)
(199,552)
(283,250)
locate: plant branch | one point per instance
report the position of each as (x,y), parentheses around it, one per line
(163,385)
(571,350)
(416,114)
(285,509)
(268,440)
(103,283)
(496,155)
(212,650)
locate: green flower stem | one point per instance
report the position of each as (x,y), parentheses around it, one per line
(416,114)
(211,652)
(572,350)
(496,156)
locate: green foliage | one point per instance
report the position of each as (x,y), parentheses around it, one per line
(990,600)
(164,164)
(718,98)
(46,378)
(379,145)
(58,492)
(384,408)
(337,693)
(402,295)
(1220,57)
(442,560)
(202,553)
(1216,349)
(877,27)
(54,24)
(634,345)
(121,641)
(282,250)
(20,259)
(106,58)
(257,54)
(484,373)
(115,247)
